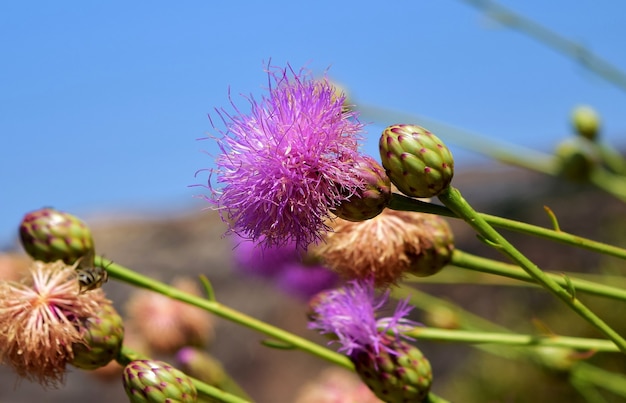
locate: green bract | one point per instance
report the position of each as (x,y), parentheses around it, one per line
(402,376)
(151,381)
(436,247)
(102,340)
(586,122)
(49,235)
(577,158)
(416,161)
(370,201)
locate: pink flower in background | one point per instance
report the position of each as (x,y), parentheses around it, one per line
(288,162)
(285,266)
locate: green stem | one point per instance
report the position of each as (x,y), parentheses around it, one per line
(452,198)
(510,154)
(126,275)
(572,49)
(127,355)
(484,265)
(609,182)
(610,381)
(512,339)
(466,320)
(404,203)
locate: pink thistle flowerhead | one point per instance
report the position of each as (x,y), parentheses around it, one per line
(167,325)
(350,314)
(288,163)
(393,369)
(41,318)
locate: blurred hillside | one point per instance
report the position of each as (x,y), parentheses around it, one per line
(192,245)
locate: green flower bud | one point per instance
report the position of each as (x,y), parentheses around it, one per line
(556,359)
(586,122)
(151,381)
(402,376)
(370,201)
(436,247)
(101,342)
(49,235)
(577,157)
(417,162)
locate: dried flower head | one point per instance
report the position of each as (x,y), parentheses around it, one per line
(387,246)
(288,162)
(41,318)
(167,324)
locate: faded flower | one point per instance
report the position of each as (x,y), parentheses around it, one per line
(41,318)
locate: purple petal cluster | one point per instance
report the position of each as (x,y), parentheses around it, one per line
(350,314)
(287,162)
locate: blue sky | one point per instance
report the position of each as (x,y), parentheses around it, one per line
(102,102)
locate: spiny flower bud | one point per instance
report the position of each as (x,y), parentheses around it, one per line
(49,235)
(151,381)
(577,157)
(586,122)
(556,359)
(397,373)
(436,246)
(417,162)
(372,199)
(102,339)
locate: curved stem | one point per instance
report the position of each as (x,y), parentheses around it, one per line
(126,275)
(510,154)
(404,203)
(609,182)
(572,49)
(127,355)
(611,381)
(476,263)
(452,198)
(512,339)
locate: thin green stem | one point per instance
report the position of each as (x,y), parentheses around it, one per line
(452,198)
(480,264)
(466,320)
(510,154)
(121,273)
(404,203)
(127,355)
(609,182)
(572,49)
(608,380)
(512,339)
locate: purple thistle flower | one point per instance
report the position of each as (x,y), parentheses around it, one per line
(288,162)
(350,314)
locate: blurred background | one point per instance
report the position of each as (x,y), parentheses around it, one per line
(103,105)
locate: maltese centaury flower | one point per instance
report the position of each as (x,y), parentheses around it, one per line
(350,314)
(41,319)
(393,369)
(288,163)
